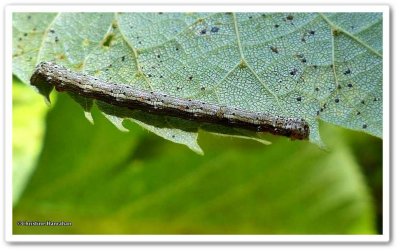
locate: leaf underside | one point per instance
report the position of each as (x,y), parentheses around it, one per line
(316,66)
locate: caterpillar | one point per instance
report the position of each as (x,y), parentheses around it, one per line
(125,95)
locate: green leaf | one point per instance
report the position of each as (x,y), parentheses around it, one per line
(314,66)
(109,183)
(28,113)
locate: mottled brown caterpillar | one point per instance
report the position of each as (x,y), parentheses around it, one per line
(125,95)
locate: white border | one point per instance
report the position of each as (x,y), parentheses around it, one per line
(195,238)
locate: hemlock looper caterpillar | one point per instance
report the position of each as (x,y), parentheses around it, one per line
(124,95)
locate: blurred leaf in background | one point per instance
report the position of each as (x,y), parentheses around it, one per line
(110,182)
(29,113)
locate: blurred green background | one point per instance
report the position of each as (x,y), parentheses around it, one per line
(109,182)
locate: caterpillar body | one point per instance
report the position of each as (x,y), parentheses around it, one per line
(125,95)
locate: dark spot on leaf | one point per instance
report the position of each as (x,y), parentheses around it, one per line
(56,39)
(337,100)
(29,17)
(173,136)
(158,56)
(190,77)
(25,34)
(203,88)
(303,39)
(140,42)
(123,58)
(176,49)
(311,32)
(20,39)
(204,31)
(242,64)
(316,89)
(375,99)
(178,88)
(161,76)
(350,85)
(331,66)
(250,17)
(114,25)
(276,26)
(358,113)
(160,13)
(304,60)
(34,29)
(187,107)
(364,126)
(298,98)
(290,17)
(293,72)
(274,49)
(318,112)
(335,32)
(348,71)
(315,66)
(339,87)
(263,15)
(214,29)
(322,110)
(107,41)
(149,75)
